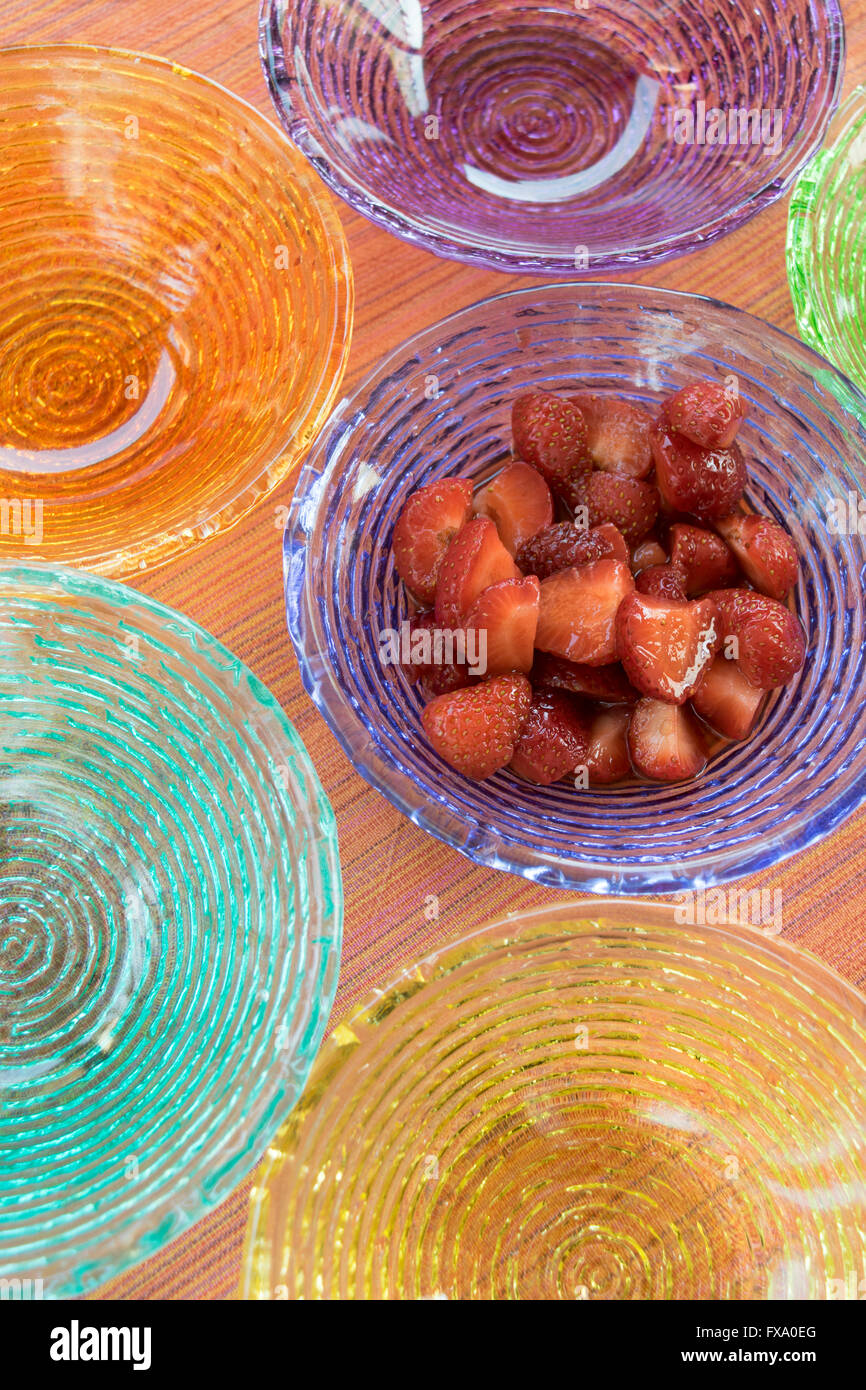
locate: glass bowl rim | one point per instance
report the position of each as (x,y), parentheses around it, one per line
(585,875)
(420,233)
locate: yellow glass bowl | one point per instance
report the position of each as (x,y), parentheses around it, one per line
(596,1101)
(175,307)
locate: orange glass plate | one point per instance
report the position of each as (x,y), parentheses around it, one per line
(175,307)
(594,1101)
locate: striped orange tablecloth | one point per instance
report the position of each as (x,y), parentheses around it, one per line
(233,587)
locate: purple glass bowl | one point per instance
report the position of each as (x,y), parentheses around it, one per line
(440,405)
(563,136)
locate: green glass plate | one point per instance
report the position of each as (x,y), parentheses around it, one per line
(826,243)
(170,922)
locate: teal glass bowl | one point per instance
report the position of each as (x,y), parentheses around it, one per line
(170,924)
(826,243)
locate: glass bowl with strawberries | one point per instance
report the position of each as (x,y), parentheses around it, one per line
(575,582)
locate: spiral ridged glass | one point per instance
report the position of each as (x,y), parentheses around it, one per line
(796,778)
(588,1102)
(175,308)
(170,919)
(562,136)
(826,245)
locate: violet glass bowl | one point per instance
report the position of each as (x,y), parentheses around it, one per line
(558,136)
(440,405)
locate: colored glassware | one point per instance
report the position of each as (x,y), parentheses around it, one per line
(441,405)
(170,921)
(175,308)
(557,137)
(587,1102)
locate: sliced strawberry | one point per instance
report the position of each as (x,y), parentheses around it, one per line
(428,522)
(475,730)
(617,434)
(665,741)
(577,618)
(727,701)
(475,559)
(665,581)
(609,683)
(648,553)
(665,645)
(608,760)
(766,552)
(706,483)
(431,661)
(632,506)
(770,644)
(704,559)
(550,433)
(504,618)
(553,741)
(706,413)
(564,545)
(518,500)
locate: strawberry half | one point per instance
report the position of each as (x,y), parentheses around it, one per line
(770,641)
(665,581)
(553,741)
(425,527)
(550,433)
(434,677)
(665,742)
(565,545)
(706,483)
(507,613)
(617,434)
(518,501)
(609,683)
(765,552)
(704,559)
(577,617)
(727,701)
(665,645)
(629,504)
(608,760)
(706,413)
(475,559)
(475,730)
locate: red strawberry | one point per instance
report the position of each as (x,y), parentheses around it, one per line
(632,506)
(518,500)
(475,730)
(665,581)
(475,559)
(706,413)
(564,545)
(577,618)
(438,675)
(665,741)
(646,554)
(666,645)
(553,741)
(726,700)
(608,683)
(705,483)
(428,522)
(617,434)
(550,433)
(766,638)
(704,559)
(507,615)
(764,550)
(608,760)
